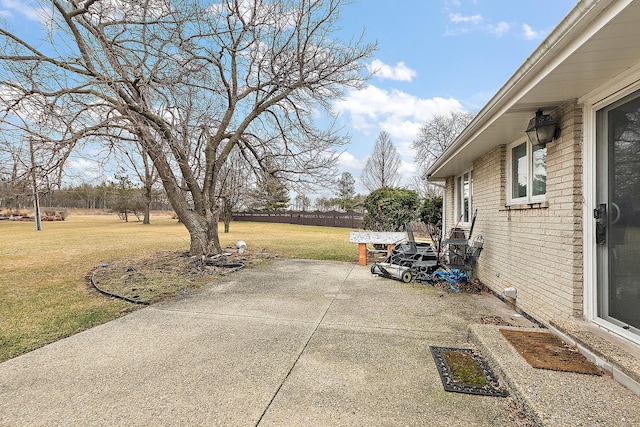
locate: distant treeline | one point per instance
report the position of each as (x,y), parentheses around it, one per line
(86,196)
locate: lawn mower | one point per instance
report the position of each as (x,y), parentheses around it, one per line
(418,261)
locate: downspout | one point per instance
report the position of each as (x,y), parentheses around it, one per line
(444,215)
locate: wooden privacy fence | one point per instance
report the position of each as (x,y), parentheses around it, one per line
(324,219)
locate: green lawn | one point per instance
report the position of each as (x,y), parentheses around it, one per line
(43,287)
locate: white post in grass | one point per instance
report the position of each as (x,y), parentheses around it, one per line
(36,201)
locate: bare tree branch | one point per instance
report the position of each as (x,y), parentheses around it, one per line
(189,82)
(436,134)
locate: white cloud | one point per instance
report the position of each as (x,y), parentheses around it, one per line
(407,169)
(456,31)
(348,160)
(500,28)
(456,18)
(530,33)
(395,111)
(403,130)
(24,8)
(82,164)
(464,24)
(399,72)
(88,169)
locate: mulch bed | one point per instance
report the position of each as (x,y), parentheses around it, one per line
(464,371)
(470,286)
(544,350)
(154,277)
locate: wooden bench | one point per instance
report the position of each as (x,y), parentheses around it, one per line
(362,238)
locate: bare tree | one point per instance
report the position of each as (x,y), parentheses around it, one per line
(14,183)
(27,153)
(188,81)
(134,158)
(233,186)
(436,134)
(425,188)
(302,202)
(325,204)
(382,166)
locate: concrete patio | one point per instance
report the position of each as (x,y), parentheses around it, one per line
(300,343)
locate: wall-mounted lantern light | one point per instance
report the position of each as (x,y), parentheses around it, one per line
(542,129)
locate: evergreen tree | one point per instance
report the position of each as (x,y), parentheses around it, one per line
(389,209)
(346,191)
(270,194)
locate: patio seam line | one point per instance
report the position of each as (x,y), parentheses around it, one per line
(304,347)
(243,316)
(390,329)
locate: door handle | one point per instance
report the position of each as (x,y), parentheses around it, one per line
(616,216)
(600,215)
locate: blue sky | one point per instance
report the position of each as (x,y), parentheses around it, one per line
(434,56)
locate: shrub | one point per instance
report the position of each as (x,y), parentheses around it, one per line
(431,211)
(388,209)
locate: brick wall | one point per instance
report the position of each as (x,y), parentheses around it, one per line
(535,248)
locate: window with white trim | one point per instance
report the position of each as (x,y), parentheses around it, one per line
(463,197)
(526,173)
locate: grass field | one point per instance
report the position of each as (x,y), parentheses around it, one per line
(43,287)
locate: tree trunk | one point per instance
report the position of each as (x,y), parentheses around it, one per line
(203,233)
(227,215)
(147,213)
(214,240)
(147,206)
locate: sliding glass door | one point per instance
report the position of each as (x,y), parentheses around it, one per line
(617,214)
